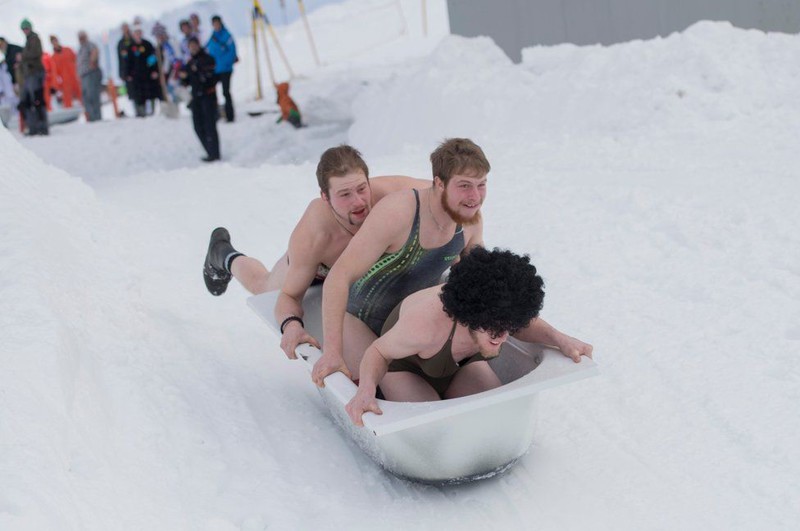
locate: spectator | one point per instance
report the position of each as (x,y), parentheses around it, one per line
(8,97)
(66,72)
(199,74)
(194,19)
(11,51)
(222,48)
(31,81)
(142,68)
(186,29)
(170,64)
(49,79)
(91,76)
(123,46)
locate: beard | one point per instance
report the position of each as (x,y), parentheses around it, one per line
(455,216)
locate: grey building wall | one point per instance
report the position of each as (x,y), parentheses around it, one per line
(515,24)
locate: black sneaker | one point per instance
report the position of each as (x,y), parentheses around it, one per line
(214,273)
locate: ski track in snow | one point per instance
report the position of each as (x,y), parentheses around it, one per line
(665,227)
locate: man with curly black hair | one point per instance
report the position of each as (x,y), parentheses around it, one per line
(435,344)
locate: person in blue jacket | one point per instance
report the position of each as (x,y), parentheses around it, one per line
(222,48)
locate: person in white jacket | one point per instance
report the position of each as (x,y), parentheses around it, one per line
(8,98)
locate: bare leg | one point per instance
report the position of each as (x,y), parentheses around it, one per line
(357,337)
(403,386)
(473,378)
(256,278)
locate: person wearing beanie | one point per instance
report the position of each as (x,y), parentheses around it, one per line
(31,70)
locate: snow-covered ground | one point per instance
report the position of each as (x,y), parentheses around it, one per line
(653,183)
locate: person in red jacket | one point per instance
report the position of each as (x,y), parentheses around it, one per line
(49,80)
(66,72)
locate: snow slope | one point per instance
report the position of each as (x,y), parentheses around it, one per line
(653,183)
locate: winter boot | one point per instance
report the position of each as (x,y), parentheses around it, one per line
(216,270)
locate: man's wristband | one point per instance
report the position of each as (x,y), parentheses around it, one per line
(289,320)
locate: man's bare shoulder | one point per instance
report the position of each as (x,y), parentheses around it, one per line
(423,309)
(395,204)
(316,216)
(422,321)
(316,226)
(387,184)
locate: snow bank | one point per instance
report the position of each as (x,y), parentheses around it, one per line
(58,292)
(710,73)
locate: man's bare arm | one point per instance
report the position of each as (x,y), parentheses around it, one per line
(399,342)
(306,246)
(539,331)
(475,238)
(373,239)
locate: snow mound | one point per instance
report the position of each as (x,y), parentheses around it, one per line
(711,72)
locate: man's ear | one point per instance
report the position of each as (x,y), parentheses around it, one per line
(438,182)
(325,197)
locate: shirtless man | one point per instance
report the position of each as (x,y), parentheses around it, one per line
(409,241)
(347,196)
(436,343)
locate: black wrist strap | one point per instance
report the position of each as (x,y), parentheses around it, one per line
(289,320)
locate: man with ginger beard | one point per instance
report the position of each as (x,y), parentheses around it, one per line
(408,242)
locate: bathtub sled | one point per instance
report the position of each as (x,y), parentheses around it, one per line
(448,441)
(63,115)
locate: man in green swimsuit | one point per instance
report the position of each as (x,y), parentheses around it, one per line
(408,242)
(436,343)
(347,196)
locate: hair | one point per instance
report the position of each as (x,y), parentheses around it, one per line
(458,155)
(496,291)
(193,39)
(216,18)
(337,162)
(184,22)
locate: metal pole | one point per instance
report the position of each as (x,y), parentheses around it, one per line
(254,17)
(308,31)
(424,18)
(266,50)
(274,37)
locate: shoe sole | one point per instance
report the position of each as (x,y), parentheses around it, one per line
(216,281)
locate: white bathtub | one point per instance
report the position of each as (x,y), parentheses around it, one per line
(447,441)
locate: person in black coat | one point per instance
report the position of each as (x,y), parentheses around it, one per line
(123,46)
(199,74)
(142,72)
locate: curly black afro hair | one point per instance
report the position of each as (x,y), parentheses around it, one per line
(496,291)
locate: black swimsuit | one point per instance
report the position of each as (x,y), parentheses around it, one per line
(438,370)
